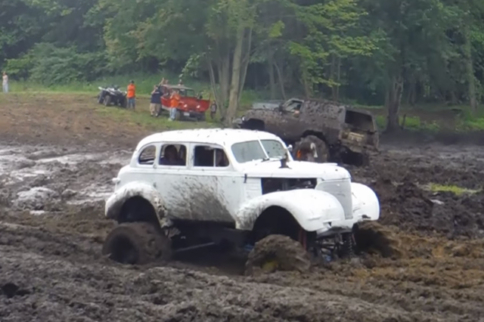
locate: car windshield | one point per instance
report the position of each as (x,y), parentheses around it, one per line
(253,150)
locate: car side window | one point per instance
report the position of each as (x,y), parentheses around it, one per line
(147,155)
(207,156)
(173,155)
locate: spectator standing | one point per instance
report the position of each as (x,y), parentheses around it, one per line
(155,104)
(213,110)
(175,100)
(5,82)
(131,95)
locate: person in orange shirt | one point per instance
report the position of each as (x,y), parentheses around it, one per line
(174,102)
(131,96)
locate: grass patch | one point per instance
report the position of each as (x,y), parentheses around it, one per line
(144,86)
(412,123)
(434,187)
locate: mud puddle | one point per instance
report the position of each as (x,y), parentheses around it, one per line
(35,178)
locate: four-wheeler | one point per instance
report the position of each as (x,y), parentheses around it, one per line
(112,95)
(190,188)
(319,130)
(190,106)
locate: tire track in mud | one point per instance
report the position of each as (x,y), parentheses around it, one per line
(57,256)
(60,290)
(392,290)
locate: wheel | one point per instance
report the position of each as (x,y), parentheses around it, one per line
(107,100)
(100,99)
(202,117)
(123,102)
(311,148)
(277,252)
(136,243)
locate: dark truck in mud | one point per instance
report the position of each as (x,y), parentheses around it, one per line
(318,130)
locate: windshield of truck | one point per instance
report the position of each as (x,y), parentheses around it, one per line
(253,150)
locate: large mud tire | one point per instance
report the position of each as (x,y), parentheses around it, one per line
(374,238)
(107,100)
(304,149)
(136,243)
(277,252)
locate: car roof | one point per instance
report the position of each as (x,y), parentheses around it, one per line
(211,136)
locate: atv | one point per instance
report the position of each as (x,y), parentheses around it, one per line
(112,95)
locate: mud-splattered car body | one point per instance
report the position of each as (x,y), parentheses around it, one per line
(257,181)
(346,132)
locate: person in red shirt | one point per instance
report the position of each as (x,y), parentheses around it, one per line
(131,96)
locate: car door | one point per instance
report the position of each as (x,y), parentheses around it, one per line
(211,189)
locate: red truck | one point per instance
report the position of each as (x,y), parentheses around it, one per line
(189,106)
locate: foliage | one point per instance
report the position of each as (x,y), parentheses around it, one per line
(349,50)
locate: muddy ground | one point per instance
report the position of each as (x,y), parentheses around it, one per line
(52,187)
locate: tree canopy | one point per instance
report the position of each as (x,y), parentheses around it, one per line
(365,51)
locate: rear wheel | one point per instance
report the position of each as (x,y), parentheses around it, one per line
(136,243)
(123,102)
(107,100)
(277,252)
(311,148)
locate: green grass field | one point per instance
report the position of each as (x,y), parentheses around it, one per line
(430,118)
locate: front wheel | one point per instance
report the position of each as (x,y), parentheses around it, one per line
(107,100)
(136,243)
(277,252)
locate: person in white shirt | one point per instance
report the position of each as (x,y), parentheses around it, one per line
(5,82)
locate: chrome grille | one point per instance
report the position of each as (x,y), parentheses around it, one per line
(341,189)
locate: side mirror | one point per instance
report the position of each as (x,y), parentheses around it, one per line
(290,148)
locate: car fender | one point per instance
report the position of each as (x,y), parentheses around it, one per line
(116,201)
(314,210)
(366,206)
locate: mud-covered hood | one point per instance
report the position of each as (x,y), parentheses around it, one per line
(295,169)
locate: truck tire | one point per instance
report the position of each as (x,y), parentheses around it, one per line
(311,148)
(277,252)
(136,243)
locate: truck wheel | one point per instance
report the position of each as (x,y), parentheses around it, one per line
(277,252)
(107,100)
(136,243)
(311,148)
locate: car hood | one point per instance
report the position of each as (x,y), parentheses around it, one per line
(295,169)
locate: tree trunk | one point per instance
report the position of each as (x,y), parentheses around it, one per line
(236,75)
(470,71)
(338,78)
(280,80)
(245,65)
(393,100)
(331,76)
(272,81)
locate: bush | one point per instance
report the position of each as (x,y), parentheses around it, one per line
(48,65)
